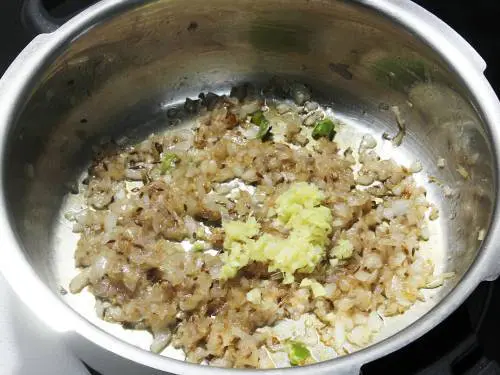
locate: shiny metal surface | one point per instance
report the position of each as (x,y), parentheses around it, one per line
(120,66)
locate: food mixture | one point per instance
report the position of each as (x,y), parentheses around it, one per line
(250,239)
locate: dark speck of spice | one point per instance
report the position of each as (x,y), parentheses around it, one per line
(73,188)
(192,106)
(129,325)
(342,70)
(192,26)
(159,147)
(71,82)
(83,121)
(154,275)
(383,106)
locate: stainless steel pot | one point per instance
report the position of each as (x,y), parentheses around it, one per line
(123,63)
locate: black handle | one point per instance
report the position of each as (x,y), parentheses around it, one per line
(35,17)
(485,367)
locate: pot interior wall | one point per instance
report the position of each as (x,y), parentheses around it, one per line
(124,72)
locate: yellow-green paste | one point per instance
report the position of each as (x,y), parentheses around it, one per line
(299,210)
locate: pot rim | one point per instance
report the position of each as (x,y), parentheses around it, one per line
(21,276)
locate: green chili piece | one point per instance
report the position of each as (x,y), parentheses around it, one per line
(324,128)
(298,353)
(260,120)
(168,162)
